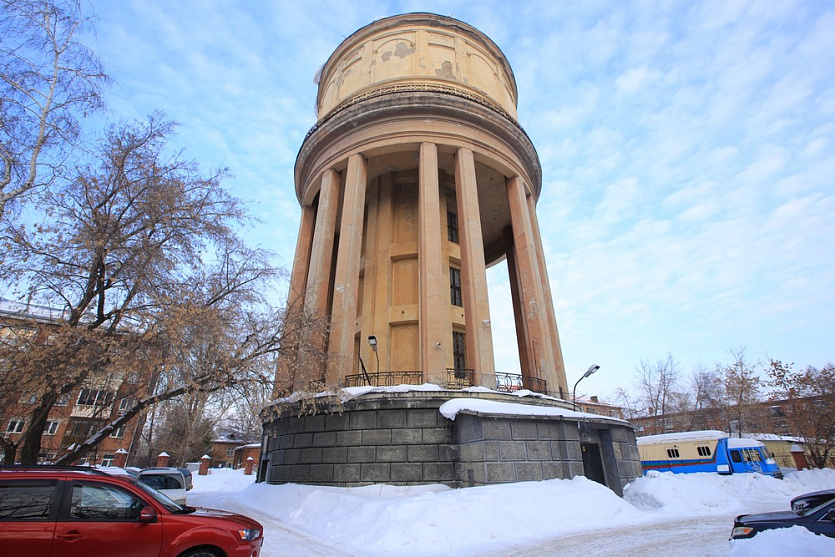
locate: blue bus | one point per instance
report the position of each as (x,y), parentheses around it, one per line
(705,451)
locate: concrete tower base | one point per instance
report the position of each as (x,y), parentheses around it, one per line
(404,439)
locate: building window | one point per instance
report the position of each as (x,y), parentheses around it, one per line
(777,411)
(107,460)
(119,432)
(455,287)
(51,427)
(29,399)
(95,397)
(452,227)
(230,452)
(16,425)
(125,405)
(63,400)
(459,351)
(81,428)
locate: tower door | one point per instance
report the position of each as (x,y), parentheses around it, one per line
(592,462)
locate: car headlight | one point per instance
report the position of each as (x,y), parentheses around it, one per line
(249,535)
(741,532)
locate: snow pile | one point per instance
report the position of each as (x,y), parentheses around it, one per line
(779,543)
(436,520)
(450,408)
(221,479)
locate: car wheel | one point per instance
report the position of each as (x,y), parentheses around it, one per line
(200,552)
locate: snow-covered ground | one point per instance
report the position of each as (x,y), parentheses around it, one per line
(660,514)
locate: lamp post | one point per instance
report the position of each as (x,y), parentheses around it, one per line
(592,369)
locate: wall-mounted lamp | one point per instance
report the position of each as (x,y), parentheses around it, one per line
(372,342)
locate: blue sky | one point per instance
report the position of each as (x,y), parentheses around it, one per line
(687,151)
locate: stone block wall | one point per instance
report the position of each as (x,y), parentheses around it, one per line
(502,449)
(405,440)
(368,441)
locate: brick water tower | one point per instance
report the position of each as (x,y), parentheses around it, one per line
(415,179)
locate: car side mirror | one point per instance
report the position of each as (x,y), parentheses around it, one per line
(147,514)
(830,516)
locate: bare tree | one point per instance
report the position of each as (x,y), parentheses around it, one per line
(808,399)
(48,81)
(138,250)
(707,389)
(742,388)
(656,384)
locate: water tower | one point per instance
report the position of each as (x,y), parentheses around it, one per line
(414,180)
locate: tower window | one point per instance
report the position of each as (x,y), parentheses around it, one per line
(459,351)
(452,227)
(455,287)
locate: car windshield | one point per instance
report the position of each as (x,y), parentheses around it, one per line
(804,512)
(162,499)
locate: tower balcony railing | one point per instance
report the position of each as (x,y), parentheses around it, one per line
(460,378)
(512,382)
(384,379)
(456,379)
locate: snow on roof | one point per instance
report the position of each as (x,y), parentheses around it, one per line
(733,442)
(737,443)
(681,436)
(772,437)
(451,408)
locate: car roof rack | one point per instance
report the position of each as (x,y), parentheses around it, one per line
(53,468)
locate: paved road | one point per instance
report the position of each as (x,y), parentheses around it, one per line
(697,537)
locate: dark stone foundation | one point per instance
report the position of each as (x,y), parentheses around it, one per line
(403,439)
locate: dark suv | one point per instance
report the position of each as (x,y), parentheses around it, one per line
(50,511)
(814,511)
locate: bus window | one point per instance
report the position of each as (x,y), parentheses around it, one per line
(735,457)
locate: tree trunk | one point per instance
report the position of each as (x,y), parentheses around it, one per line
(30,443)
(9,454)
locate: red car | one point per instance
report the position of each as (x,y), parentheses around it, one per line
(49,511)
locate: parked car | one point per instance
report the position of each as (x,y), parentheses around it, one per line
(187,475)
(168,481)
(803,502)
(50,511)
(819,519)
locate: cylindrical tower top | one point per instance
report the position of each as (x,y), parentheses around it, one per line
(419,52)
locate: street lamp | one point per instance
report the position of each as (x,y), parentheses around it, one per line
(592,369)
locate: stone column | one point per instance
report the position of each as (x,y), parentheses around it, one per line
(522,343)
(321,251)
(434,274)
(205,463)
(559,365)
(310,362)
(121,458)
(530,285)
(346,281)
(473,272)
(162,459)
(288,361)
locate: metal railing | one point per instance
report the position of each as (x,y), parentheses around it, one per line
(456,379)
(460,378)
(385,379)
(511,382)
